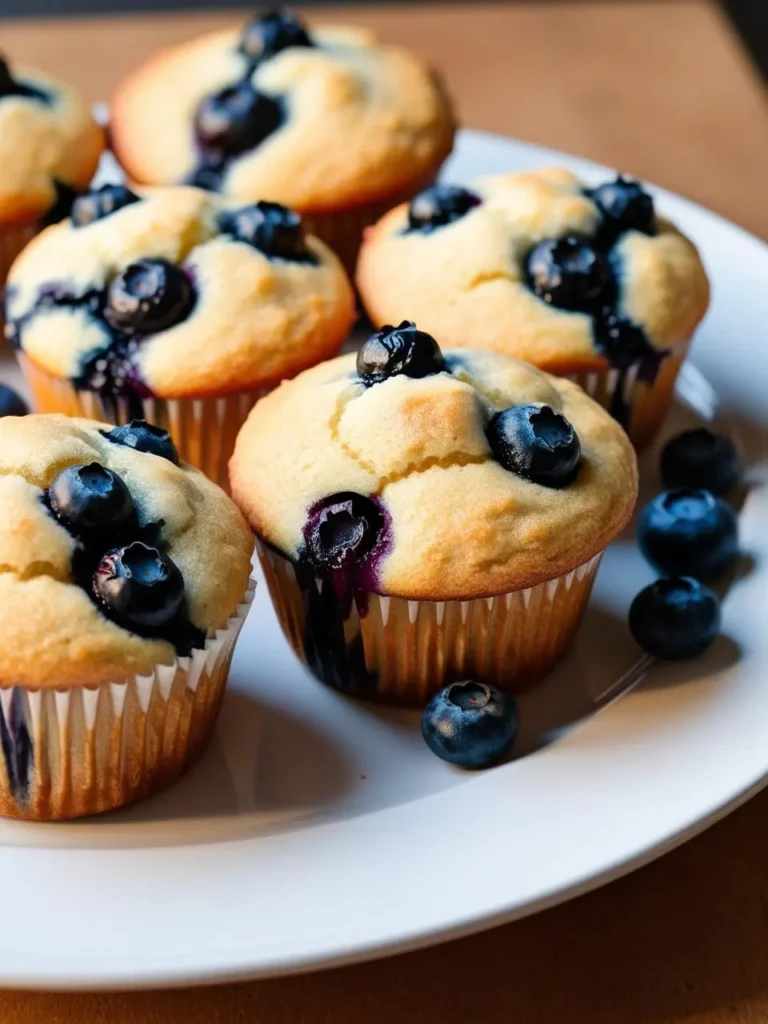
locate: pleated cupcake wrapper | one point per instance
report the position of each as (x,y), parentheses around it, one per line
(639,405)
(83,750)
(203,429)
(399,651)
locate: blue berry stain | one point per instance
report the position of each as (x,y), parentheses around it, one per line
(687,532)
(675,618)
(269,34)
(98,203)
(18,750)
(470,724)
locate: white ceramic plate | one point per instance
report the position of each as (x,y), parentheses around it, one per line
(318,830)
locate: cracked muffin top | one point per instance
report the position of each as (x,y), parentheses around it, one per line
(49,145)
(539,266)
(317,118)
(176,292)
(432,475)
(113,558)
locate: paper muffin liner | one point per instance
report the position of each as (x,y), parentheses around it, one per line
(402,652)
(83,750)
(203,429)
(638,400)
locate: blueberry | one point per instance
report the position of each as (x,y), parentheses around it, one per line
(675,618)
(90,497)
(342,531)
(98,203)
(569,273)
(149,296)
(236,118)
(271,228)
(439,205)
(622,342)
(625,205)
(11,404)
(61,207)
(398,350)
(9,86)
(144,437)
(699,458)
(537,443)
(688,533)
(470,724)
(138,586)
(270,34)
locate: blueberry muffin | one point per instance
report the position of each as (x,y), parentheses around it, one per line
(175,306)
(49,148)
(583,282)
(124,584)
(325,120)
(424,517)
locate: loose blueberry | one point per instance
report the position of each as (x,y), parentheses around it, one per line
(271,228)
(99,203)
(699,458)
(569,273)
(236,118)
(342,530)
(90,497)
(270,34)
(688,533)
(149,296)
(537,443)
(399,350)
(138,586)
(625,205)
(144,437)
(622,342)
(675,618)
(440,205)
(11,404)
(470,724)
(9,86)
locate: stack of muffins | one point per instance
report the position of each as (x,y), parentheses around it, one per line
(431,508)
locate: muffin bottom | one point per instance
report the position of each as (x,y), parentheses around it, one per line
(397,651)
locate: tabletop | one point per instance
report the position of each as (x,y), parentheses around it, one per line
(662,90)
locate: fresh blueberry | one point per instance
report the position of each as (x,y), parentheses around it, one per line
(90,497)
(149,296)
(699,458)
(625,205)
(688,533)
(569,273)
(622,342)
(11,404)
(439,205)
(271,228)
(138,586)
(61,207)
(270,34)
(98,203)
(537,443)
(9,86)
(236,118)
(144,437)
(398,350)
(470,724)
(342,531)
(675,618)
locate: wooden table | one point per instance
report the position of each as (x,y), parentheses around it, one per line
(662,90)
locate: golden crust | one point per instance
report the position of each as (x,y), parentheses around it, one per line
(256,320)
(462,526)
(366,120)
(53,634)
(465,283)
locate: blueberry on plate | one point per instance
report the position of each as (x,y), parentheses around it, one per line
(569,273)
(625,205)
(90,497)
(398,350)
(440,205)
(675,618)
(271,33)
(688,532)
(699,458)
(342,530)
(236,118)
(271,228)
(98,203)
(148,296)
(470,724)
(144,437)
(11,404)
(537,443)
(138,586)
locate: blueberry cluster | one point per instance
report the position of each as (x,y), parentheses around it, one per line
(118,562)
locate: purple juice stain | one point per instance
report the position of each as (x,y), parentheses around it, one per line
(18,750)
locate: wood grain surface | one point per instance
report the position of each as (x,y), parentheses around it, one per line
(660,89)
